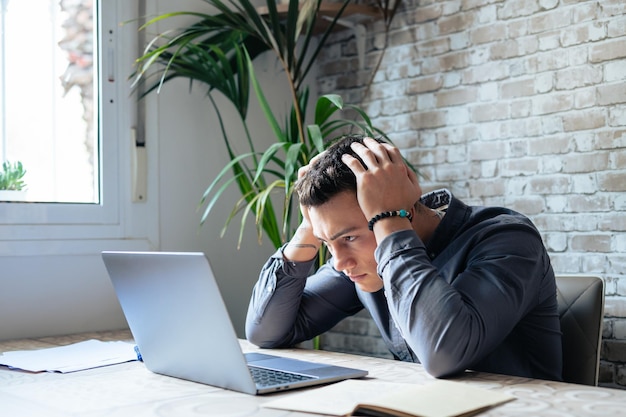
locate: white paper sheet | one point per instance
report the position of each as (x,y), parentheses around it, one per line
(75,357)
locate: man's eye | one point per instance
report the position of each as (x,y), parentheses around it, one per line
(349,238)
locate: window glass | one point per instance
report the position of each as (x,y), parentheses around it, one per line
(49,100)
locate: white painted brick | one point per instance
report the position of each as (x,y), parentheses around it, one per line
(479,56)
(580,222)
(488,169)
(430,65)
(488,91)
(451,7)
(457,115)
(518,149)
(596,31)
(551,165)
(617,264)
(549,185)
(565,263)
(527,205)
(615,70)
(571,78)
(620,243)
(426,30)
(587,32)
(577,56)
(451,79)
(556,242)
(520,108)
(619,329)
(517,186)
(620,285)
(556,203)
(594,263)
(584,184)
(617,116)
(614,306)
(528,45)
(517,68)
(426,101)
(452,172)
(619,202)
(552,103)
(374,108)
(518,28)
(457,154)
(549,41)
(489,131)
(616,27)
(585,162)
(428,139)
(459,41)
(414,70)
(396,72)
(551,124)
(584,142)
(487,14)
(548,4)
(518,8)
(585,98)
(583,12)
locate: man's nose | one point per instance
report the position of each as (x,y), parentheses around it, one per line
(341,260)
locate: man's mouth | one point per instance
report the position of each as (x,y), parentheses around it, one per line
(357,277)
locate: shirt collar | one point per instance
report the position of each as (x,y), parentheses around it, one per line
(456,214)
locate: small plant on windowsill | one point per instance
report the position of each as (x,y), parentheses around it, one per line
(12,185)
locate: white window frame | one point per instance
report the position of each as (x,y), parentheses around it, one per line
(69,228)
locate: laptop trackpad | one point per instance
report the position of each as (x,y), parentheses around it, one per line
(276,362)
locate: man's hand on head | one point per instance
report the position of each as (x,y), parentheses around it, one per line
(385,183)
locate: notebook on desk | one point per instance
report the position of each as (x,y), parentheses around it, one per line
(180,324)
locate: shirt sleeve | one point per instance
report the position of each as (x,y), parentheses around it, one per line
(291,302)
(452,318)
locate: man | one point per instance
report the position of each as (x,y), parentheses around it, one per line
(451,286)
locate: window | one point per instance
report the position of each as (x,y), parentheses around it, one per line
(49,107)
(66,113)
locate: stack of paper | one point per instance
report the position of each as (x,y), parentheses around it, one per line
(70,358)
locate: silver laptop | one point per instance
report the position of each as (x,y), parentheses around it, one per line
(182,329)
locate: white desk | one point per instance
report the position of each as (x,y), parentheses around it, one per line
(130,390)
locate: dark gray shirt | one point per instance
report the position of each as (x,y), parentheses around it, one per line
(480,295)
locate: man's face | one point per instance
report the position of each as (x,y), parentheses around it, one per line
(340,224)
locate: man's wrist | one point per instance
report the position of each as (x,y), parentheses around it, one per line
(389,225)
(389,214)
(303,246)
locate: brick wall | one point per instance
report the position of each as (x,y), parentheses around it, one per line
(520,103)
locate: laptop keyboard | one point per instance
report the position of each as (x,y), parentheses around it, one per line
(270,377)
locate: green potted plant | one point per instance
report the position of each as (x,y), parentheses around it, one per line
(217,50)
(12,185)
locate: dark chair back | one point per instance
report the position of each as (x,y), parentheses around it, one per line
(581,311)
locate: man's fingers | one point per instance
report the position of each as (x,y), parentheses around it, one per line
(374,152)
(354,164)
(369,157)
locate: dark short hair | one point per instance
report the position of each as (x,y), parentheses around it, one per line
(329,176)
